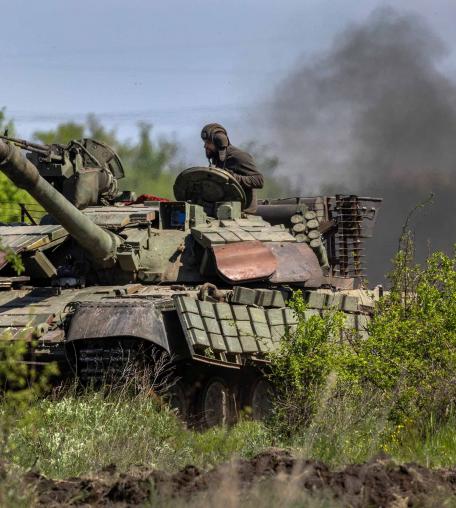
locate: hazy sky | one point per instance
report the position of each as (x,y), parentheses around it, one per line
(177,63)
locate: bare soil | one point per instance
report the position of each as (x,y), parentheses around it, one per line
(380,482)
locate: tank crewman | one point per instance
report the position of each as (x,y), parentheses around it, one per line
(222,154)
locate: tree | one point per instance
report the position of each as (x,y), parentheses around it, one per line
(145,162)
(63,133)
(10,195)
(150,165)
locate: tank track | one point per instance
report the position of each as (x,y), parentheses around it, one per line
(192,392)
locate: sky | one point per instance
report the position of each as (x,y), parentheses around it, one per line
(176,64)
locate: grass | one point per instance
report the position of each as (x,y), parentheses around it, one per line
(76,435)
(434,446)
(79,434)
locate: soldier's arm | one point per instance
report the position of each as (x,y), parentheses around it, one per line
(246,172)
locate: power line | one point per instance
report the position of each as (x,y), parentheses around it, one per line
(138,115)
(116,69)
(149,49)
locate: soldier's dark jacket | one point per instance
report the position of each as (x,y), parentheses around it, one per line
(242,166)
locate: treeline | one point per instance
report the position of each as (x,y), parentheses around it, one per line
(147,164)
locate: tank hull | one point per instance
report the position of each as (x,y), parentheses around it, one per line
(202,352)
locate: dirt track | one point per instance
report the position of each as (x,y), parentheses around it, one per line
(380,482)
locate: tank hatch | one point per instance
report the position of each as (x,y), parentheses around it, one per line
(208,186)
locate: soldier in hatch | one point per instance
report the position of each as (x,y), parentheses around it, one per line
(222,154)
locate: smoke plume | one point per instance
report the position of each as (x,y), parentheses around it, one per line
(376,115)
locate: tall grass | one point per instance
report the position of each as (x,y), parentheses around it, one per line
(78,434)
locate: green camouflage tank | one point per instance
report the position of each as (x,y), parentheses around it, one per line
(193,289)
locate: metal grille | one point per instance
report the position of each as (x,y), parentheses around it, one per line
(348,245)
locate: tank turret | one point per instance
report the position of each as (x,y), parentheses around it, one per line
(100,244)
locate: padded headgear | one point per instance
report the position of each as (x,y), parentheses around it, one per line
(218,135)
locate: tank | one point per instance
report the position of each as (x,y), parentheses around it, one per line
(194,290)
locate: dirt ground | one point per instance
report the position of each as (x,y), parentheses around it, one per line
(379,482)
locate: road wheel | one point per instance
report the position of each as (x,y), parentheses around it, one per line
(261,399)
(216,403)
(177,400)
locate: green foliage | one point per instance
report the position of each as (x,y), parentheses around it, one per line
(150,165)
(302,363)
(408,360)
(410,353)
(149,159)
(431,443)
(305,357)
(340,402)
(347,425)
(22,384)
(20,380)
(78,433)
(13,259)
(63,133)
(10,195)
(75,434)
(6,126)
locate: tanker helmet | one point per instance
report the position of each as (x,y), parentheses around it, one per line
(217,134)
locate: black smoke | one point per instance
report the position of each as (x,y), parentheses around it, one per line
(376,115)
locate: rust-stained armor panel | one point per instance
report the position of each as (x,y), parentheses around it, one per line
(243,261)
(296,262)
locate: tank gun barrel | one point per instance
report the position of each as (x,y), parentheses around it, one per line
(99,243)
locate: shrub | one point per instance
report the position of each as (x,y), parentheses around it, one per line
(302,363)
(408,359)
(410,353)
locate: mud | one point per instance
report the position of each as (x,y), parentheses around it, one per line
(379,482)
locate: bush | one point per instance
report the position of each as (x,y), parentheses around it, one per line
(301,365)
(410,354)
(408,360)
